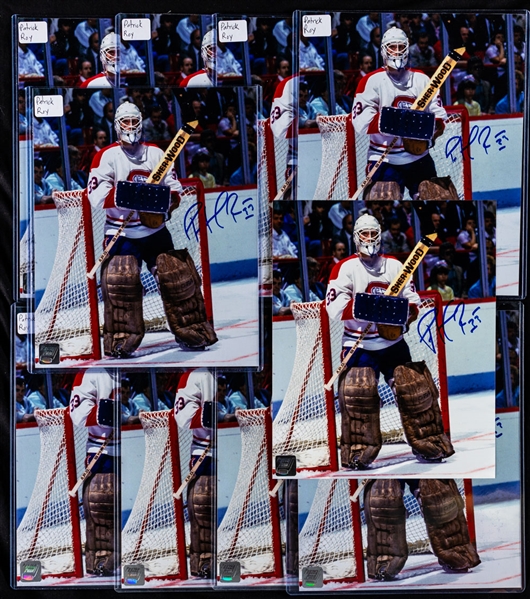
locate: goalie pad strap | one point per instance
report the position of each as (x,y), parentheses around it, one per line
(385,514)
(180,288)
(383,191)
(361,439)
(98,507)
(200,492)
(437,188)
(417,399)
(404,122)
(377,308)
(122,292)
(443,511)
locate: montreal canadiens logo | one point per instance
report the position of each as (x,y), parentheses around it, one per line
(137,176)
(403,102)
(377,288)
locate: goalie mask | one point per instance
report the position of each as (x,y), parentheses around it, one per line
(108,53)
(128,123)
(395,48)
(208,48)
(367,235)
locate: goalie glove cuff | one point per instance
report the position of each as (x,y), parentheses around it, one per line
(105,413)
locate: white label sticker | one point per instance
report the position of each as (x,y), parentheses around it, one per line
(233,31)
(33,32)
(316,25)
(46,106)
(24,322)
(136,29)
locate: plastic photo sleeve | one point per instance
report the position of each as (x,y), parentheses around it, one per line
(168,479)
(341,523)
(450,314)
(346,123)
(210,136)
(251,508)
(66,453)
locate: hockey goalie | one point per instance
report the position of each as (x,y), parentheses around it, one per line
(117,185)
(442,508)
(355,295)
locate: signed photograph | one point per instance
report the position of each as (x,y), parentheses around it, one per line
(412,106)
(384,339)
(144,226)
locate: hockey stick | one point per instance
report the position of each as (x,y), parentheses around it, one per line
(286,185)
(90,466)
(192,472)
(421,103)
(276,488)
(360,487)
(395,288)
(157,174)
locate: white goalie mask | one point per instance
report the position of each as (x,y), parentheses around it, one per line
(208,49)
(109,52)
(367,235)
(395,48)
(128,123)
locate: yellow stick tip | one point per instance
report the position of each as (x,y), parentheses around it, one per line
(460,51)
(193,124)
(432,236)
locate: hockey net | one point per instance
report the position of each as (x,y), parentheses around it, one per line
(156,533)
(345,152)
(70,312)
(334,535)
(250,530)
(308,422)
(52,530)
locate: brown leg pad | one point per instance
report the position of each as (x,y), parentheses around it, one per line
(359,403)
(385,514)
(122,291)
(180,287)
(438,188)
(200,492)
(417,399)
(443,510)
(381,191)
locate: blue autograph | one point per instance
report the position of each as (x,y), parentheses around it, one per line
(429,329)
(477,135)
(228,204)
(498,424)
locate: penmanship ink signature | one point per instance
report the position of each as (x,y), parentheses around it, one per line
(480,136)
(429,329)
(227,205)
(498,424)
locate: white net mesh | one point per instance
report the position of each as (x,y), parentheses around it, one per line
(302,427)
(48,531)
(327,537)
(264,216)
(344,157)
(151,535)
(66,312)
(247,531)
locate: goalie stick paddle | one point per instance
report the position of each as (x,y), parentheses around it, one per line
(192,472)
(421,103)
(90,466)
(157,174)
(395,288)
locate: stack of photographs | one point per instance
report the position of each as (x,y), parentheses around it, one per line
(268,325)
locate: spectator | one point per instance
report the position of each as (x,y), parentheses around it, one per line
(36,398)
(64,46)
(439,276)
(393,239)
(455,275)
(503,106)
(84,31)
(489,227)
(310,59)
(199,168)
(262,46)
(97,102)
(42,190)
(280,301)
(338,251)
(91,53)
(313,270)
(467,238)
(475,69)
(226,63)
(262,396)
(238,398)
(43,134)
(107,123)
(223,407)
(85,70)
(22,120)
(421,55)
(185,28)
(346,234)
(306,112)
(237,177)
(465,97)
(166,42)
(99,139)
(320,102)
(21,351)
(141,392)
(495,53)
(294,290)
(28,65)
(374,48)
(281,31)
(186,67)
(365,25)
(23,409)
(343,101)
(130,61)
(55,177)
(518,42)
(79,116)
(475,291)
(76,175)
(366,65)
(500,398)
(438,227)
(282,246)
(317,228)
(155,128)
(129,410)
(336,215)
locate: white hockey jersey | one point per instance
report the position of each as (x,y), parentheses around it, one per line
(89,387)
(113,164)
(378,90)
(195,387)
(283,117)
(97,81)
(350,276)
(198,79)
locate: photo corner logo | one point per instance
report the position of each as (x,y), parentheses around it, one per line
(30,571)
(49,353)
(134,575)
(285,465)
(230,572)
(312,577)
